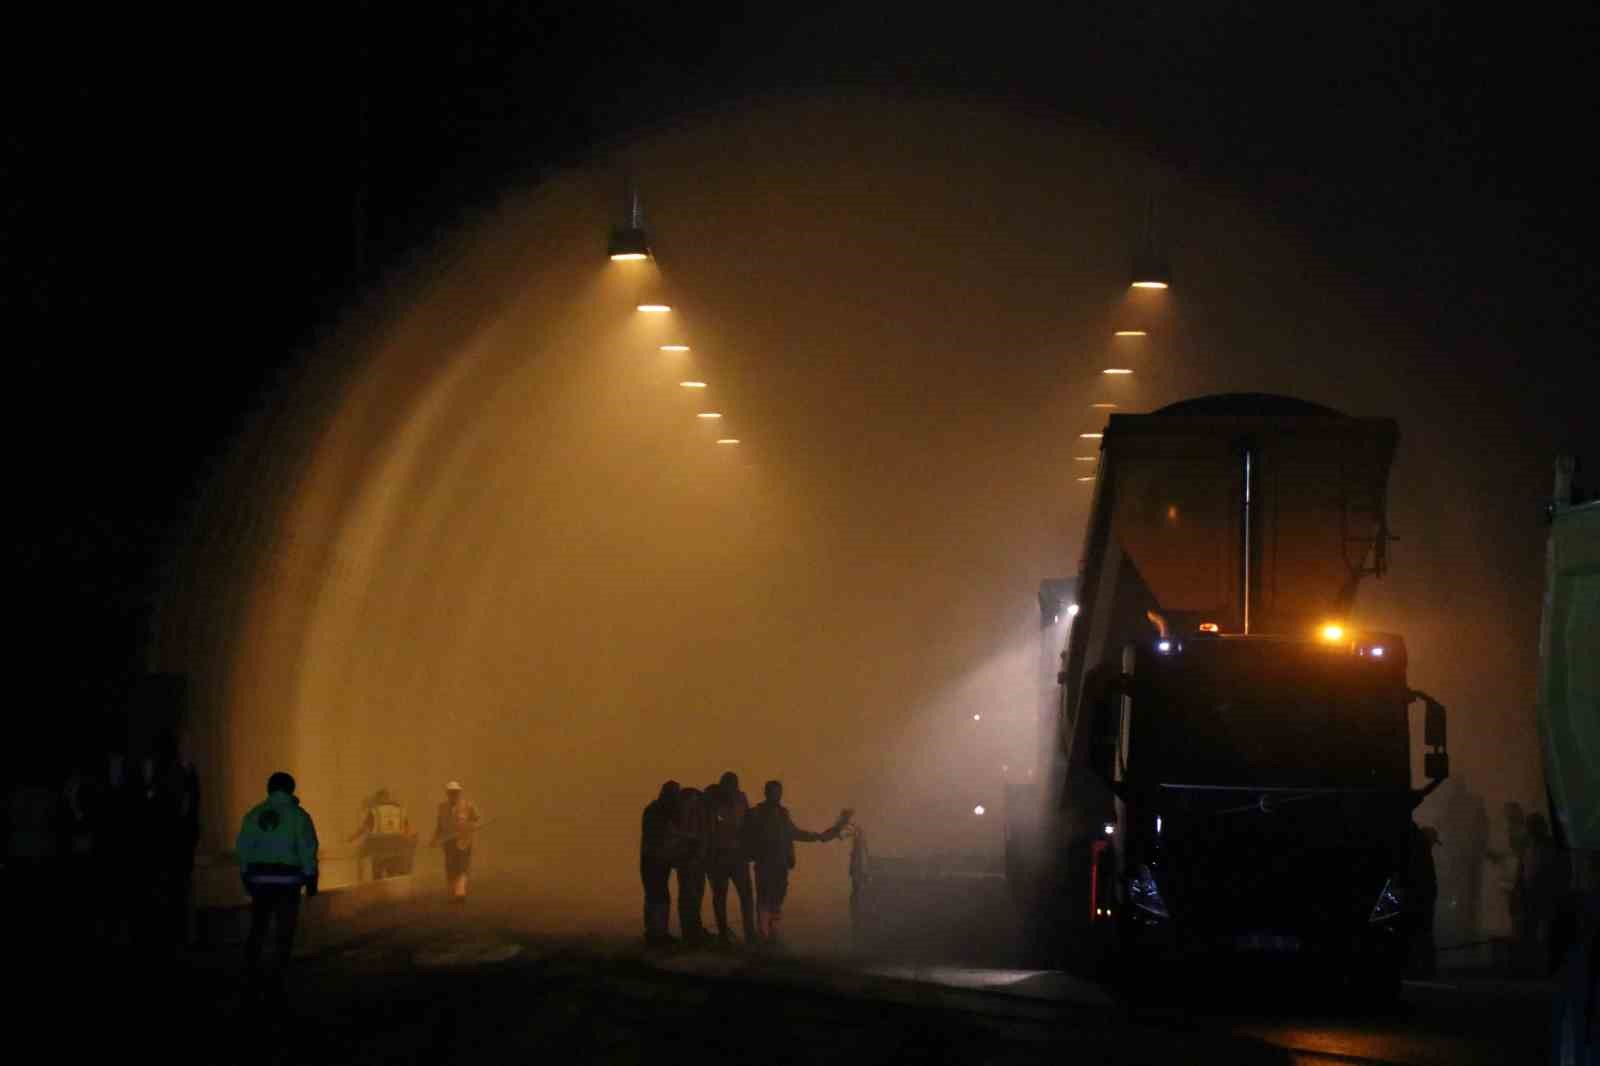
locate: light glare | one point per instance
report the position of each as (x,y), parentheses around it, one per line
(1332,632)
(1149,284)
(1116,370)
(1091,436)
(978,810)
(628,257)
(1130,333)
(728,440)
(655,309)
(691,384)
(674,347)
(1072,610)
(709,414)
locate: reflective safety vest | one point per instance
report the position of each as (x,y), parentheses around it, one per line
(277,842)
(388,819)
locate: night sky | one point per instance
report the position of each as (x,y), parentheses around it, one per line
(178,194)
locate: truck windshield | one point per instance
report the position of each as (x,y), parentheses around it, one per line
(1272,715)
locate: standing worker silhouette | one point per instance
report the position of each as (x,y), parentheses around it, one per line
(277,849)
(728,859)
(770,837)
(655,864)
(692,841)
(458,818)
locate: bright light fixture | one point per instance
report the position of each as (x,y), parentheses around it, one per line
(691,384)
(978,810)
(1149,284)
(709,414)
(1110,829)
(977,718)
(1091,436)
(1086,458)
(1377,653)
(655,309)
(1164,646)
(1130,333)
(628,257)
(1103,406)
(1332,632)
(673,347)
(1072,610)
(728,440)
(1111,370)
(1210,627)
(1086,479)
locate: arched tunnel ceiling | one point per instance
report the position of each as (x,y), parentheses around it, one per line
(485,537)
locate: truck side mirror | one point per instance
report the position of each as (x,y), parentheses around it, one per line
(1433,726)
(1436,765)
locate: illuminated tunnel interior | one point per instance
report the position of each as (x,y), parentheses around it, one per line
(484,535)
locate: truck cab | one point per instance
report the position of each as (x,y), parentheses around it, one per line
(1229,767)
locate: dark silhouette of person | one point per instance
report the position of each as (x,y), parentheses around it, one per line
(162,811)
(770,836)
(655,864)
(1422,899)
(1544,877)
(727,860)
(693,839)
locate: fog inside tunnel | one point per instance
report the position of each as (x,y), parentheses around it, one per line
(484,536)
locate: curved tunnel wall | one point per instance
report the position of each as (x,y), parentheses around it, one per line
(483,535)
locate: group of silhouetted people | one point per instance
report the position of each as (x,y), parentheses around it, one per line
(714,835)
(112,844)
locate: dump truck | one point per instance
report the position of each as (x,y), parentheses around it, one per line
(1230,767)
(1569,728)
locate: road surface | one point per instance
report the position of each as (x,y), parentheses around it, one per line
(464,985)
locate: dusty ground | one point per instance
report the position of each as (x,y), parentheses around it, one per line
(429,983)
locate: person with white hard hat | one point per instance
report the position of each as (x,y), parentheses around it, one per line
(458,820)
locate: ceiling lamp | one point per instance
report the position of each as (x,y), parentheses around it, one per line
(1130,333)
(630,243)
(709,414)
(1107,406)
(728,440)
(1150,267)
(655,309)
(1112,370)
(674,347)
(691,384)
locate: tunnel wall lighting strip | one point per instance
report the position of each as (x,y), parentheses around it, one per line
(674,347)
(1091,436)
(1149,284)
(628,257)
(1103,405)
(728,440)
(655,309)
(1130,333)
(692,384)
(1116,370)
(709,414)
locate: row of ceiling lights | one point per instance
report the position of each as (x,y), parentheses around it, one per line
(630,243)
(1150,271)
